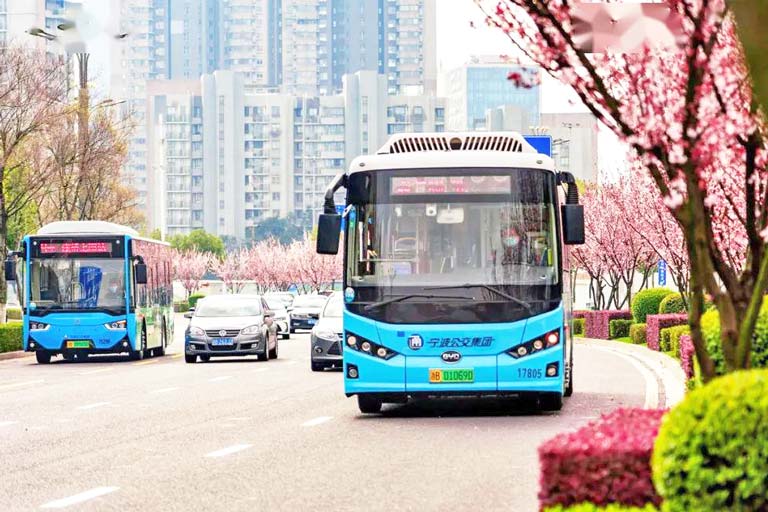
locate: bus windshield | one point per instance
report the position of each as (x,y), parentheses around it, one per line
(77,284)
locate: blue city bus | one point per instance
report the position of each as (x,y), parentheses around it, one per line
(93,287)
(453,269)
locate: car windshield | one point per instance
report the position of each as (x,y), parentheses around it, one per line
(309,301)
(334,307)
(227,308)
(274,303)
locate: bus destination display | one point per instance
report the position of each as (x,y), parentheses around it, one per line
(434,185)
(76,248)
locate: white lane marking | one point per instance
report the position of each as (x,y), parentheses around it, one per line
(651,384)
(79,498)
(21,384)
(286,363)
(316,421)
(7,423)
(165,390)
(219,379)
(93,406)
(100,370)
(229,450)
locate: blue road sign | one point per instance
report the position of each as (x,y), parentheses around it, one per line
(662,268)
(541,143)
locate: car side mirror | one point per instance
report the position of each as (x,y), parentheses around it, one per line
(10,270)
(328,233)
(573,224)
(140,271)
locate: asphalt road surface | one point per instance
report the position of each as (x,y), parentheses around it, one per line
(240,434)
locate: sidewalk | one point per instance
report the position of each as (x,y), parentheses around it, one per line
(665,379)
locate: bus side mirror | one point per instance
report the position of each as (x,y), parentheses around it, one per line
(573,224)
(10,270)
(328,233)
(140,271)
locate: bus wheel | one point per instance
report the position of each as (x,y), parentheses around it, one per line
(163,341)
(147,352)
(368,404)
(42,357)
(550,401)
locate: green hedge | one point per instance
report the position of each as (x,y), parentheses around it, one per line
(672,303)
(591,507)
(194,298)
(13,314)
(670,338)
(637,333)
(618,328)
(10,337)
(712,450)
(710,330)
(181,306)
(647,302)
(578,326)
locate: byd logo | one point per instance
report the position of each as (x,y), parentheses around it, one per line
(451,356)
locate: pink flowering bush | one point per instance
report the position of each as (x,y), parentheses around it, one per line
(655,323)
(687,353)
(606,461)
(597,323)
(580,313)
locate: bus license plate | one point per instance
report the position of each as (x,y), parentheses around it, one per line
(223,342)
(79,344)
(447,376)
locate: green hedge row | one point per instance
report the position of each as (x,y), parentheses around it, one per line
(194,298)
(578,326)
(10,337)
(181,306)
(647,302)
(13,314)
(637,333)
(710,329)
(672,303)
(670,338)
(619,328)
(591,507)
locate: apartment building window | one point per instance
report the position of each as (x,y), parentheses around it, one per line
(275,196)
(275,111)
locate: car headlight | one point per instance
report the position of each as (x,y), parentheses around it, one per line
(117,326)
(38,326)
(326,335)
(251,330)
(196,331)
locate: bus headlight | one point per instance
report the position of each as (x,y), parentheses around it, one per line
(539,343)
(38,326)
(120,325)
(360,344)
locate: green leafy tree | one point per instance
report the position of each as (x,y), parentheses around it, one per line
(199,241)
(285,230)
(23,220)
(156,234)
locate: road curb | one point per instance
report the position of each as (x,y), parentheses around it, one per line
(669,376)
(14,355)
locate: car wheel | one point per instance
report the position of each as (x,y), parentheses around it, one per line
(205,358)
(286,335)
(368,404)
(273,352)
(43,357)
(550,401)
(190,358)
(293,330)
(317,367)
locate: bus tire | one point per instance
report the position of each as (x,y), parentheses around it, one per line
(43,357)
(163,341)
(368,404)
(147,352)
(569,384)
(191,359)
(550,401)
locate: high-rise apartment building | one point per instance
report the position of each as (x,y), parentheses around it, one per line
(18,16)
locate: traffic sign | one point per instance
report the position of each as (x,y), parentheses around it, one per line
(662,269)
(541,143)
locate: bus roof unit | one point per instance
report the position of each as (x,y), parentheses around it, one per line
(85,227)
(460,141)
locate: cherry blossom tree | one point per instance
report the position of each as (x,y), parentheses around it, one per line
(689,116)
(189,267)
(314,271)
(233,269)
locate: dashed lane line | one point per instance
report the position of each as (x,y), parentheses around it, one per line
(228,450)
(80,498)
(317,421)
(148,361)
(93,406)
(7,423)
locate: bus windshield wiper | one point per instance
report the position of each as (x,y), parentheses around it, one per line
(413,296)
(498,292)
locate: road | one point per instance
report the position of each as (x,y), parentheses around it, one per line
(160,434)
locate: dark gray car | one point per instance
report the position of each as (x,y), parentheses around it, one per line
(230,325)
(327,335)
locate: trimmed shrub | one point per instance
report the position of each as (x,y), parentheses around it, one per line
(712,450)
(687,355)
(646,302)
(10,337)
(619,328)
(596,323)
(606,461)
(658,322)
(181,306)
(580,313)
(637,333)
(194,298)
(675,333)
(672,303)
(710,330)
(578,327)
(591,507)
(13,314)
